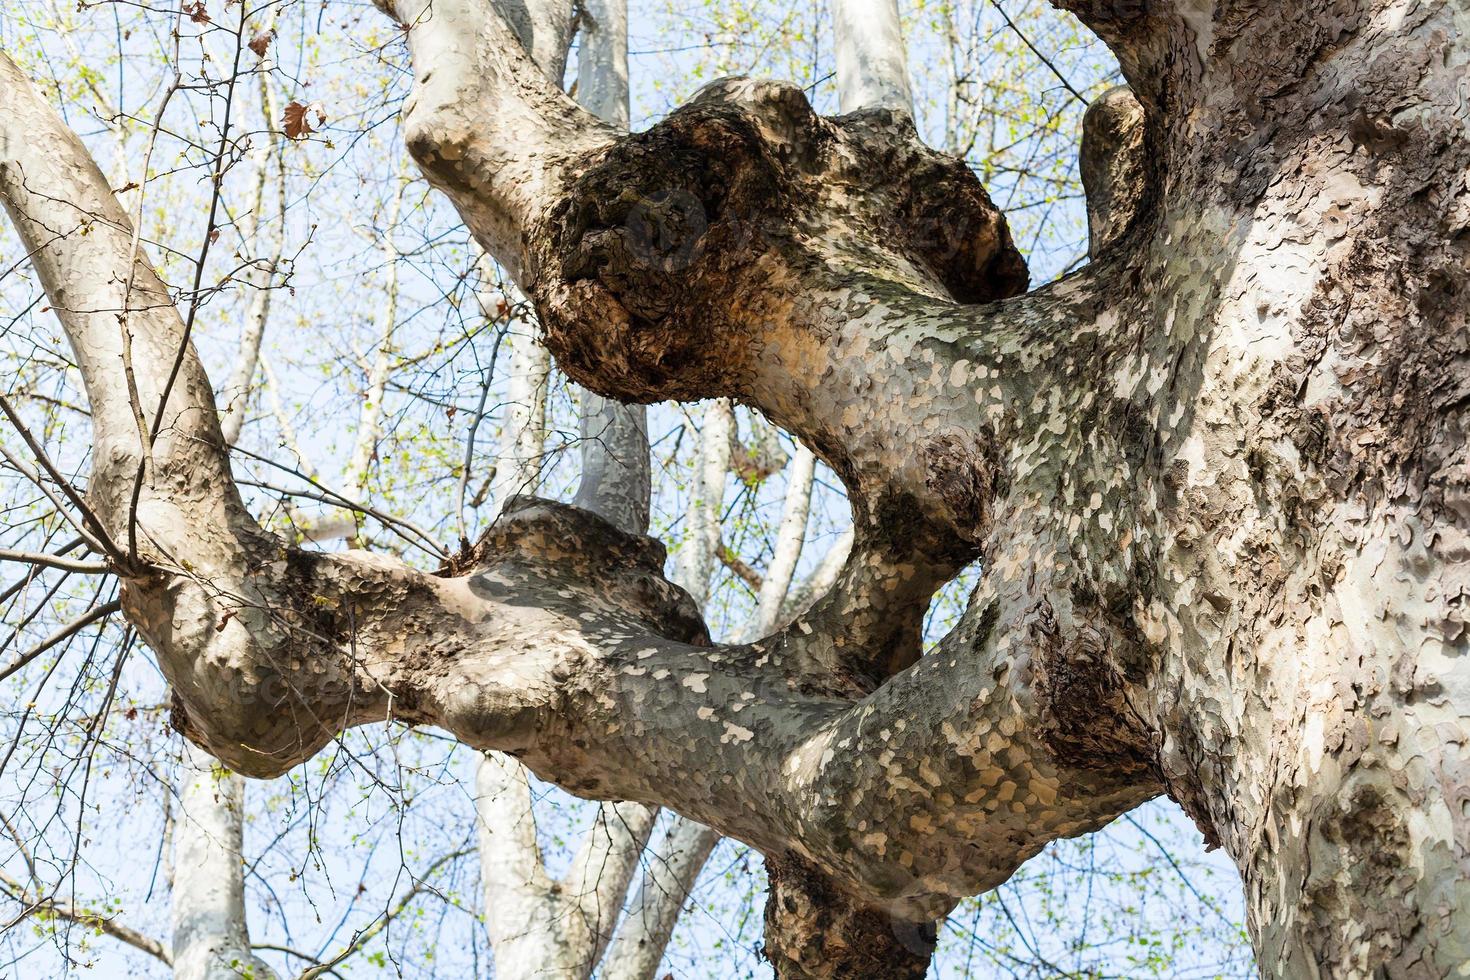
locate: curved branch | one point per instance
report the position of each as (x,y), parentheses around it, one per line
(564,645)
(107,925)
(483,121)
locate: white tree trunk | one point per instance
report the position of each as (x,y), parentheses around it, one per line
(565,926)
(669,874)
(235,396)
(698,553)
(790,536)
(616,481)
(872,62)
(210,938)
(526,920)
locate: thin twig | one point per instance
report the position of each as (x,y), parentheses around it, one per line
(96,529)
(54,561)
(93,920)
(1044,59)
(62,635)
(420,885)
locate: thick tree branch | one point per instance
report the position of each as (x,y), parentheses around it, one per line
(1113,166)
(484,122)
(564,645)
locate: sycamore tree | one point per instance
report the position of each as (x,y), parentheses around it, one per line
(1214,478)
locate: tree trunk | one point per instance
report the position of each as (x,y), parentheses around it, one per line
(815,930)
(668,876)
(210,939)
(1307,383)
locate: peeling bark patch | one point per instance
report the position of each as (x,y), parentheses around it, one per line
(1086,719)
(963,471)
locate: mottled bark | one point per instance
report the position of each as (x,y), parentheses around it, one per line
(1167,344)
(790,537)
(1218,478)
(1113,166)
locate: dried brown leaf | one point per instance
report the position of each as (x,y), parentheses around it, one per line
(261,42)
(302,120)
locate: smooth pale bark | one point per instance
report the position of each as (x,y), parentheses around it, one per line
(541,927)
(527,922)
(1217,478)
(616,480)
(669,875)
(210,939)
(523,425)
(790,536)
(696,556)
(872,62)
(211,935)
(234,398)
(800,600)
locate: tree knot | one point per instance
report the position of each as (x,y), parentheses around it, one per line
(656,267)
(536,543)
(1086,718)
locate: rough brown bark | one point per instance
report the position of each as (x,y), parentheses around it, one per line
(814,929)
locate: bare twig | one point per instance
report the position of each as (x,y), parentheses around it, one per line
(94,531)
(361,939)
(66,632)
(54,561)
